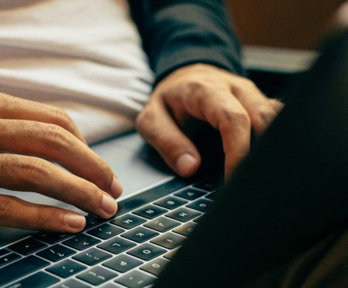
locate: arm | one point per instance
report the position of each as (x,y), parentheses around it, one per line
(179,33)
(199,80)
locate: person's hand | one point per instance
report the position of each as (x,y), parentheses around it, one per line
(231,104)
(340,19)
(32,135)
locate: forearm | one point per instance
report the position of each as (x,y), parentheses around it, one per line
(179,33)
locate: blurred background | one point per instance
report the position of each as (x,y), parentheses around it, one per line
(280,37)
(296,24)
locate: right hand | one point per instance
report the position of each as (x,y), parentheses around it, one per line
(33,134)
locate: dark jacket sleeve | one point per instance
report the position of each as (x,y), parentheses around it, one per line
(176,33)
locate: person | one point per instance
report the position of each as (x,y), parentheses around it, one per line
(177,35)
(281,220)
(85,60)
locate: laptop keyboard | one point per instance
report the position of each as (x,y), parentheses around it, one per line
(128,251)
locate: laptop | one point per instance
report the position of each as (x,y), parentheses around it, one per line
(135,249)
(131,248)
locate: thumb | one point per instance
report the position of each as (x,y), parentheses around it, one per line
(159,129)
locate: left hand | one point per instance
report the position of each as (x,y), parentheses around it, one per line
(231,104)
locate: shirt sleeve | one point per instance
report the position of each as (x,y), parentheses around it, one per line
(177,33)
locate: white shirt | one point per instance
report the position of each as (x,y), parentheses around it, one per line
(84,56)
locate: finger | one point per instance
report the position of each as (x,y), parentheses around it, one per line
(56,144)
(159,130)
(175,107)
(16,108)
(262,110)
(26,173)
(17,213)
(340,19)
(224,112)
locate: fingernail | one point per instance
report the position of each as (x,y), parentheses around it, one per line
(116,188)
(109,205)
(75,221)
(185,164)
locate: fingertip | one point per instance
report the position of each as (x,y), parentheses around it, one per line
(116,188)
(109,207)
(186,165)
(74,222)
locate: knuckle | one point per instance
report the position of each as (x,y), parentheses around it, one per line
(43,219)
(31,171)
(243,86)
(24,172)
(34,171)
(92,195)
(198,86)
(235,116)
(55,136)
(6,208)
(144,119)
(197,92)
(247,83)
(9,165)
(145,125)
(266,113)
(4,105)
(62,118)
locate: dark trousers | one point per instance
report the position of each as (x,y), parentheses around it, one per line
(281,221)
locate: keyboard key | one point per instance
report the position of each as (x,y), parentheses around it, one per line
(96,276)
(185,229)
(81,242)
(56,253)
(155,267)
(183,214)
(207,185)
(8,258)
(105,231)
(170,254)
(66,268)
(190,194)
(196,220)
(72,283)
(110,285)
(212,196)
(140,234)
(21,268)
(171,202)
(150,211)
(92,221)
(38,280)
(116,245)
(162,224)
(4,252)
(51,238)
(92,256)
(146,251)
(136,279)
(27,246)
(128,221)
(169,240)
(200,205)
(150,195)
(122,263)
